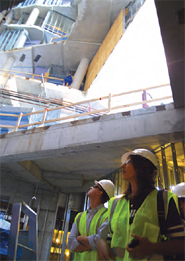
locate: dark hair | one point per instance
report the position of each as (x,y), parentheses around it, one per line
(104,197)
(146,173)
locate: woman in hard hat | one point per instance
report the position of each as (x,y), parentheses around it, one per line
(179,190)
(133,217)
(88,225)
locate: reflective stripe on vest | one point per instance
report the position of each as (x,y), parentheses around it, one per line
(95,223)
(114,203)
(97,219)
(77,220)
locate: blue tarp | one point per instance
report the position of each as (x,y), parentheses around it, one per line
(40,71)
(50,115)
(11,121)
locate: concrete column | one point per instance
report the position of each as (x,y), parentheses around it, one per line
(7,81)
(9,63)
(33,16)
(22,39)
(80,73)
(7,66)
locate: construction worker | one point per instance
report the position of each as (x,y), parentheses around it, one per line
(88,225)
(179,190)
(133,217)
(68,80)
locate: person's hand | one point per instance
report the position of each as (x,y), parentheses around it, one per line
(145,247)
(83,244)
(80,238)
(84,241)
(103,250)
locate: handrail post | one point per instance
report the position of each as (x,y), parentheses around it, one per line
(44,117)
(109,103)
(18,121)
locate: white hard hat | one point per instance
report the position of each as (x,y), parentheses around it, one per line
(143,153)
(107,185)
(179,190)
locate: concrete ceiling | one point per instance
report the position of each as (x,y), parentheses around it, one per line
(69,156)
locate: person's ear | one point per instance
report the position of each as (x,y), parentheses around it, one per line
(181,205)
(100,192)
(155,172)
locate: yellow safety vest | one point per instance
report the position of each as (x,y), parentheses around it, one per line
(96,222)
(145,223)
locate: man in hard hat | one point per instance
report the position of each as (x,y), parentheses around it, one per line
(88,225)
(179,190)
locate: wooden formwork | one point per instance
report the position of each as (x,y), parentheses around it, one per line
(107,46)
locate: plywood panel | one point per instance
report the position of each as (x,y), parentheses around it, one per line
(111,39)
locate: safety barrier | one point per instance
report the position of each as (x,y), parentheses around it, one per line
(57,23)
(80,113)
(42,78)
(44,2)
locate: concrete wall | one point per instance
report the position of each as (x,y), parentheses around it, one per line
(45,204)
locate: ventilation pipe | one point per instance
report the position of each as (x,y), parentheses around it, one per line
(33,17)
(80,73)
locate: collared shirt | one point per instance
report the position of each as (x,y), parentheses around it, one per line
(102,231)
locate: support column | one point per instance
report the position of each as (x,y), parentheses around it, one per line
(73,202)
(7,81)
(22,39)
(175,165)
(33,17)
(66,228)
(80,73)
(165,168)
(7,66)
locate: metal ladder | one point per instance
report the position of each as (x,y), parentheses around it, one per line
(30,245)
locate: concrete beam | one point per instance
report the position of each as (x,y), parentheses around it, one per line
(71,155)
(35,171)
(63,180)
(69,138)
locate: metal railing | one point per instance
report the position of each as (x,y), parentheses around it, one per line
(42,78)
(92,112)
(44,2)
